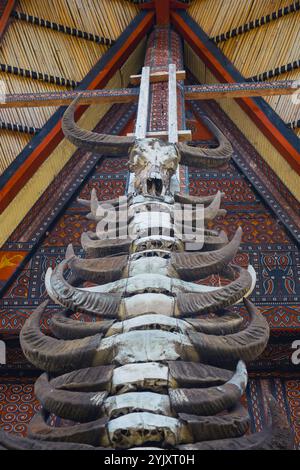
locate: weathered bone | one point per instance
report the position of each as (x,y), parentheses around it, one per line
(213,400)
(206,158)
(155,283)
(157,242)
(105,300)
(144,304)
(153,163)
(140,376)
(98,143)
(150,322)
(246,345)
(144,378)
(137,429)
(142,346)
(134,402)
(150,265)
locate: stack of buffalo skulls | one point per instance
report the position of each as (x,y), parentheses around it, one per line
(162,364)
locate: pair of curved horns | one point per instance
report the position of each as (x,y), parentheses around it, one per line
(120,145)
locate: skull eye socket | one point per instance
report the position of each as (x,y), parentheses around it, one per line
(154,186)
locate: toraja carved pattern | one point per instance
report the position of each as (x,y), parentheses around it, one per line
(66,97)
(243,86)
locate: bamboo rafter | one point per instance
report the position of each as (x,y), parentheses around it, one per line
(275,72)
(61,28)
(16,127)
(33,75)
(294,124)
(275,15)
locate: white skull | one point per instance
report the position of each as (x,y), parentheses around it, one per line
(153,162)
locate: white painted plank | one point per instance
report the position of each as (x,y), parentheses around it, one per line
(142,115)
(172,113)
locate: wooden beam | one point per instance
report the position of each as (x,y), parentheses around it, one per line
(143,107)
(37,100)
(4,20)
(158,77)
(183,135)
(239,90)
(162,8)
(172,106)
(51,135)
(262,114)
(127,95)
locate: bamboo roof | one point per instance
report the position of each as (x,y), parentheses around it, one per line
(39,49)
(259,50)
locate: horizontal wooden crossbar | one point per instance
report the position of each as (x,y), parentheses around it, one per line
(158,77)
(125,95)
(182,135)
(239,90)
(37,100)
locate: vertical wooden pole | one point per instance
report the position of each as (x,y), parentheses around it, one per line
(143,107)
(172,107)
(173,120)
